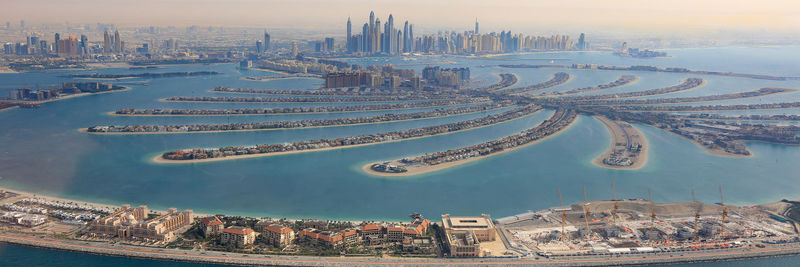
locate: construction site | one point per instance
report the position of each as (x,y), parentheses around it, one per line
(619,227)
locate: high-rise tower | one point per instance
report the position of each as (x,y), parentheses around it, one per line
(106,42)
(117,42)
(267,44)
(405,37)
(348,44)
(476,26)
(371,36)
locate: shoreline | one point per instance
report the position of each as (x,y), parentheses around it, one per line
(715,152)
(160,160)
(641,160)
(85,130)
(433,168)
(25,194)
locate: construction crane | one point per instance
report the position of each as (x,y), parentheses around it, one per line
(696,216)
(588,213)
(652,214)
(724,213)
(616,205)
(563,216)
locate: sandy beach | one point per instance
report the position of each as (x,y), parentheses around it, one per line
(85,130)
(23,194)
(160,159)
(432,168)
(617,137)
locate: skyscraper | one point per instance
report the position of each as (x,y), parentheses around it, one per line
(259,47)
(348,45)
(106,43)
(267,45)
(376,37)
(84,45)
(405,37)
(117,42)
(581,42)
(365,37)
(55,44)
(294,49)
(476,26)
(371,39)
(391,46)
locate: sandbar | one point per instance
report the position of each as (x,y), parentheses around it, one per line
(618,136)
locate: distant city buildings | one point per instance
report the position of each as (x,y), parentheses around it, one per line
(388,40)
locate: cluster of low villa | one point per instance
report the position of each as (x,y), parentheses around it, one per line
(621,81)
(322,99)
(353,140)
(687,84)
(143,75)
(755,117)
(295,110)
(561,119)
(506,80)
(713,107)
(558,79)
(344,91)
(655,101)
(299,124)
(136,224)
(715,136)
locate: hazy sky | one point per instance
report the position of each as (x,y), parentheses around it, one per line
(518,15)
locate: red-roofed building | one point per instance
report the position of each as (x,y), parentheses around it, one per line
(394,233)
(211,226)
(238,236)
(278,235)
(319,237)
(371,229)
(350,236)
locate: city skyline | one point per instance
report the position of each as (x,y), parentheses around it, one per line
(575,15)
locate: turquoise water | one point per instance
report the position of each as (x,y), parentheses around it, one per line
(41,151)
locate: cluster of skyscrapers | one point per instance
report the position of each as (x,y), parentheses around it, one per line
(374,40)
(389,40)
(263,47)
(112,44)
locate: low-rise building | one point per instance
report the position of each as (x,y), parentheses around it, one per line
(464,234)
(132,223)
(211,226)
(238,236)
(278,235)
(323,238)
